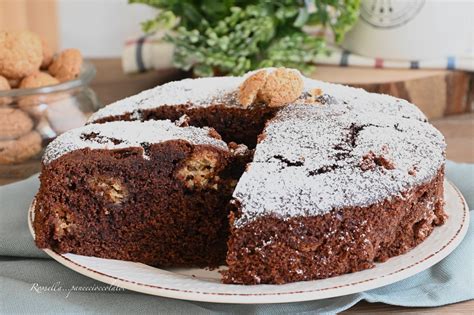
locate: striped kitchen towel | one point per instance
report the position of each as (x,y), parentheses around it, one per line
(152,52)
(147,53)
(345,58)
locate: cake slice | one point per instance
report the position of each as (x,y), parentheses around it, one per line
(149,192)
(332,191)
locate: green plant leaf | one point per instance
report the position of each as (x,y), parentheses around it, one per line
(235,36)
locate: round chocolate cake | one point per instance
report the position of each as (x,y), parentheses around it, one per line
(280,177)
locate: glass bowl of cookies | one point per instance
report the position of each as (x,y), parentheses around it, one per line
(37,107)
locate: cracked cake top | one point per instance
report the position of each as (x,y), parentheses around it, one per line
(329,146)
(206,92)
(127,134)
(312,161)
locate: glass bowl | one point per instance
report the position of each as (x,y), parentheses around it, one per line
(32,118)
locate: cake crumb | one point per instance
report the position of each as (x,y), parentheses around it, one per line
(183,121)
(371,161)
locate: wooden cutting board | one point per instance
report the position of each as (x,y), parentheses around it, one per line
(436,92)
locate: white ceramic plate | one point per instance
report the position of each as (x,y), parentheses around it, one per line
(204,285)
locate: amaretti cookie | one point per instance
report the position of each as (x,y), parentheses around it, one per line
(21,54)
(13,123)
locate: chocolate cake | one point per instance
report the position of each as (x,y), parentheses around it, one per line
(338,179)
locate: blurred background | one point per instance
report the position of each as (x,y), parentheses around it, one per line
(98,27)
(419,50)
(388,34)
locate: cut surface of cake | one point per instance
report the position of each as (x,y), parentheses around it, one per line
(150,192)
(337,179)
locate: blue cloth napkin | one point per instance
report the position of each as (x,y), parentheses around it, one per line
(30,282)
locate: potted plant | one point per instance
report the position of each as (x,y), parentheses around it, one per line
(231,37)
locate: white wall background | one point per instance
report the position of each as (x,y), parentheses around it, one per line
(99,28)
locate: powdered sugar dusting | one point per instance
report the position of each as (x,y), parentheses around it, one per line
(309,161)
(194,92)
(204,92)
(352,148)
(126,134)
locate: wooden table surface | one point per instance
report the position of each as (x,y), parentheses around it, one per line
(459,133)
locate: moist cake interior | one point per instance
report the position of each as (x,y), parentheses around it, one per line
(121,191)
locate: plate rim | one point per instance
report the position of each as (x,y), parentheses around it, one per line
(283,297)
